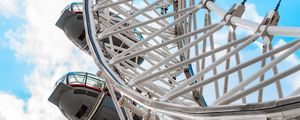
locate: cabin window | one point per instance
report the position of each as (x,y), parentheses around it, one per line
(76,79)
(62,79)
(67,8)
(82,36)
(94,82)
(77,7)
(81,111)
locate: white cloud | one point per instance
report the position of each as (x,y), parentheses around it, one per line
(290,61)
(9,8)
(44,46)
(296,81)
(251,13)
(16,106)
(292,58)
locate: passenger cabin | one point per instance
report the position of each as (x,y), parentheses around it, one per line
(76,93)
(71,22)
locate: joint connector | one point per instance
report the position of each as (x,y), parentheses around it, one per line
(203,2)
(235,10)
(271,19)
(147,115)
(122,100)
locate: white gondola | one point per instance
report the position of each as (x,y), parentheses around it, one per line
(71,22)
(76,94)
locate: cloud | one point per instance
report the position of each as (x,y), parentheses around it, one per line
(48,50)
(9,8)
(16,106)
(293,59)
(252,14)
(296,81)
(290,61)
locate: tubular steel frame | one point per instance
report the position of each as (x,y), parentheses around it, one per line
(182,58)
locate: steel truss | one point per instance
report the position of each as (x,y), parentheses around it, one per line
(189,72)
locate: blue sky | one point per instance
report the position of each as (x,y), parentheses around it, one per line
(12,69)
(289,10)
(29,65)
(33,55)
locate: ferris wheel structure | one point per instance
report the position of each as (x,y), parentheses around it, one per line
(191,59)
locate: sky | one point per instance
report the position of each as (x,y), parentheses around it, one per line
(34,53)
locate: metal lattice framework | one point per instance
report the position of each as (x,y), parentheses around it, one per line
(198,59)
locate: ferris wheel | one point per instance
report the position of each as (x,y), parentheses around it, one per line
(191,59)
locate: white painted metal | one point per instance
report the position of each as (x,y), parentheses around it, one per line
(252,26)
(114,99)
(232,70)
(181,56)
(260,72)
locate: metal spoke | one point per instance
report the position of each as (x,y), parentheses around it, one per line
(180,63)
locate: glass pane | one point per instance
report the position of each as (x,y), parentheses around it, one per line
(91,75)
(76,79)
(77,7)
(62,79)
(93,82)
(68,7)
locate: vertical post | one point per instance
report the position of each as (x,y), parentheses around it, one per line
(114,99)
(225,88)
(238,62)
(275,72)
(262,77)
(213,57)
(203,49)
